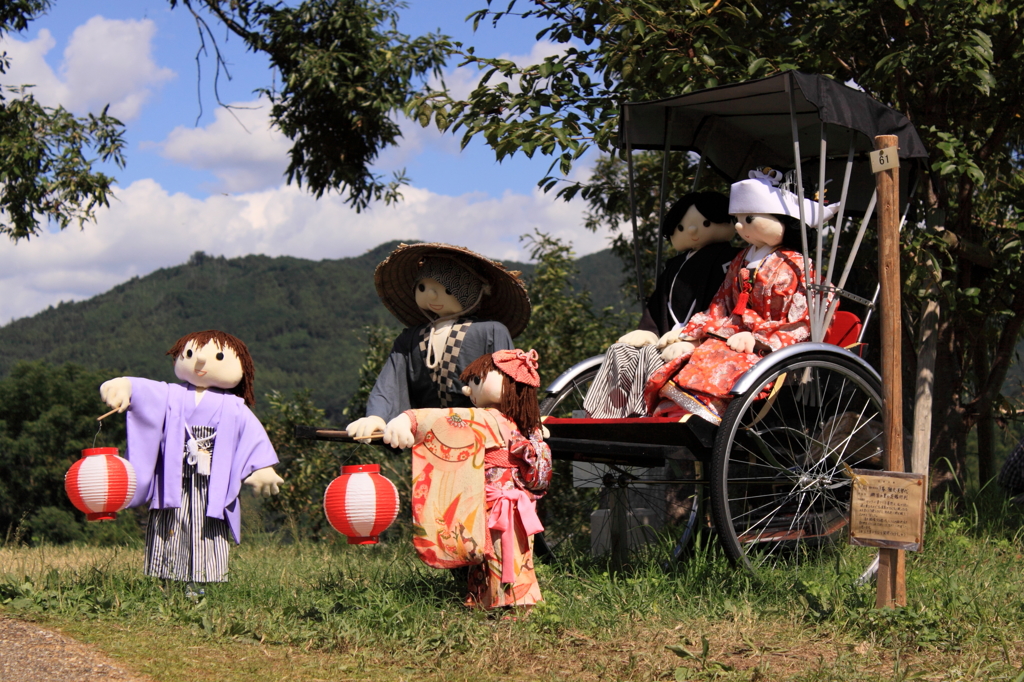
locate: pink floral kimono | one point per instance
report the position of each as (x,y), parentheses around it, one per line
(476,480)
(769,300)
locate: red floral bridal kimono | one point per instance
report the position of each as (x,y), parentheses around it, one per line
(476,480)
(774,310)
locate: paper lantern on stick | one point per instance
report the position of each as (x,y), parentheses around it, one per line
(100,484)
(361,503)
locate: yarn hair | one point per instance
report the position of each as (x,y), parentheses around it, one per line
(244,389)
(518,401)
(712,205)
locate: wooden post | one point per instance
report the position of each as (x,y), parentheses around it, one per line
(892,588)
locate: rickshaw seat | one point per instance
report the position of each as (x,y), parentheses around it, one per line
(845,329)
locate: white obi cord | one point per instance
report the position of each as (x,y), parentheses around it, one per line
(199,451)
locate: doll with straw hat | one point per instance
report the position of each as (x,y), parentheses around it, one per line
(457,306)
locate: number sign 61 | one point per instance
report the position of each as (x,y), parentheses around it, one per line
(885,159)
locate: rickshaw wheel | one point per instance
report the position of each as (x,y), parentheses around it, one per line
(580,488)
(570,398)
(780,471)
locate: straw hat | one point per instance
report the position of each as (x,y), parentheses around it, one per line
(396,276)
(762,194)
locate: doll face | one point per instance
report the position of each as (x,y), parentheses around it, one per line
(209,366)
(695,231)
(433,297)
(485,392)
(760,229)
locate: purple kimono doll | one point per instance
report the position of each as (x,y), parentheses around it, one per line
(192,446)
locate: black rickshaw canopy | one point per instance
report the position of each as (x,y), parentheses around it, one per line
(736,128)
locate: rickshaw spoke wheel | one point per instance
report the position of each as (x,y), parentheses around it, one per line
(780,472)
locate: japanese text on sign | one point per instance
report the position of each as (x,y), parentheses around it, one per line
(887,509)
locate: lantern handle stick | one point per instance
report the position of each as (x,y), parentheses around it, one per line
(102,417)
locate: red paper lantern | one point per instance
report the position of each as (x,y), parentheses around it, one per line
(361,503)
(100,484)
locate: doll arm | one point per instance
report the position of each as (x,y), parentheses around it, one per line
(675,350)
(742,342)
(117,393)
(536,457)
(364,427)
(265,482)
(398,433)
(390,394)
(639,338)
(788,321)
(412,426)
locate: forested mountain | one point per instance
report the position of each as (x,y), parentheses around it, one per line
(303,320)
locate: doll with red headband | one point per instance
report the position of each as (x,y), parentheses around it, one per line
(477,474)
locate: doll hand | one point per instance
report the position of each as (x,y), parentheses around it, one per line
(264,482)
(117,393)
(668,338)
(638,338)
(398,432)
(362,429)
(674,350)
(742,342)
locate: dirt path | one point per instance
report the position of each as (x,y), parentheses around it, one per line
(29,653)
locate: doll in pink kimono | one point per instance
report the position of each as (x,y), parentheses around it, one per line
(760,307)
(193,445)
(477,474)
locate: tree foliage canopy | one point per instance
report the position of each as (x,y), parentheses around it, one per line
(47,153)
(344,71)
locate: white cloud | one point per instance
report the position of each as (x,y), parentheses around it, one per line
(463,79)
(240,147)
(146,228)
(106,61)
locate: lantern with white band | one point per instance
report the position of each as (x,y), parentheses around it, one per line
(361,503)
(100,483)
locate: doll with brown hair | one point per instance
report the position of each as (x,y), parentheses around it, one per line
(193,445)
(489,511)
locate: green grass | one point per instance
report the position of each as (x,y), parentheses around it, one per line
(330,611)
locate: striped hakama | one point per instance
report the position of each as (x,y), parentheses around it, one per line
(617,391)
(183,543)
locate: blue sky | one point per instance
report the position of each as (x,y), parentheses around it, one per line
(214,182)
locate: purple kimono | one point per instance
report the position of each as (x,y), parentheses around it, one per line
(156,427)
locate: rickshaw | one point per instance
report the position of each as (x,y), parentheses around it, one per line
(776,473)
(774,478)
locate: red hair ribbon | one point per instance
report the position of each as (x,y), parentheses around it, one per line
(518,364)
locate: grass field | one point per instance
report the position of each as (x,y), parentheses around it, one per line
(334,612)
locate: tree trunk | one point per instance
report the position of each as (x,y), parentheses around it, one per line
(949,429)
(925,385)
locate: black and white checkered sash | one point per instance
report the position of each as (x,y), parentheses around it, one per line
(447,371)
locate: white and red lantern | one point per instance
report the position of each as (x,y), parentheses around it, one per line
(100,484)
(361,503)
